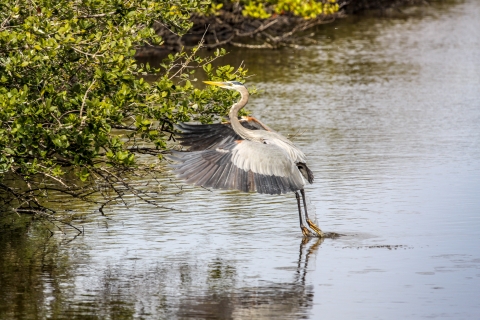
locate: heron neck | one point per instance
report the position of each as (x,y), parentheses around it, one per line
(236,125)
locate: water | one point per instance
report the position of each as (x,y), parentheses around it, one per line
(388,112)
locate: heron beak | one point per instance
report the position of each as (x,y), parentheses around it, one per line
(216,83)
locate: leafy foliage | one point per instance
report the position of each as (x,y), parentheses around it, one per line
(73,99)
(255,23)
(308,9)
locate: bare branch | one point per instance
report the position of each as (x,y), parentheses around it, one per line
(100,15)
(84,100)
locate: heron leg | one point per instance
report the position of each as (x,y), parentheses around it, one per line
(305,230)
(310,223)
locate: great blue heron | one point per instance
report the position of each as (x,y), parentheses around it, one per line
(245,155)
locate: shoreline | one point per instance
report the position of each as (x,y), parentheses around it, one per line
(231,28)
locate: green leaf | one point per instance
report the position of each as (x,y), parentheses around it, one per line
(9,151)
(84,174)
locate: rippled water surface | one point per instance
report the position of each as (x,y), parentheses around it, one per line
(388,112)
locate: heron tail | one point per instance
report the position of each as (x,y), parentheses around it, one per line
(305,171)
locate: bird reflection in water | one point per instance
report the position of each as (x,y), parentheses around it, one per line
(287,300)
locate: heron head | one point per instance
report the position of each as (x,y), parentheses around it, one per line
(230,85)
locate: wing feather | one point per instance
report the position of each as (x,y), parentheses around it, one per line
(251,184)
(203,178)
(232,178)
(274,185)
(261,182)
(243,165)
(214,177)
(241,180)
(225,177)
(199,174)
(188,170)
(209,136)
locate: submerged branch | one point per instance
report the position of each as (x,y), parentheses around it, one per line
(235,29)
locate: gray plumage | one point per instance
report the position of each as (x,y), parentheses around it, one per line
(243,155)
(244,165)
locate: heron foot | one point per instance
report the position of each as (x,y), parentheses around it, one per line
(305,231)
(314,227)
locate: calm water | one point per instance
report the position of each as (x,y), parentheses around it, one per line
(388,112)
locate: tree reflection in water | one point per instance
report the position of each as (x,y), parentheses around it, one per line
(34,273)
(47,284)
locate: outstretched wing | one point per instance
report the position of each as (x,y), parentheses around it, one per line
(202,137)
(242,165)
